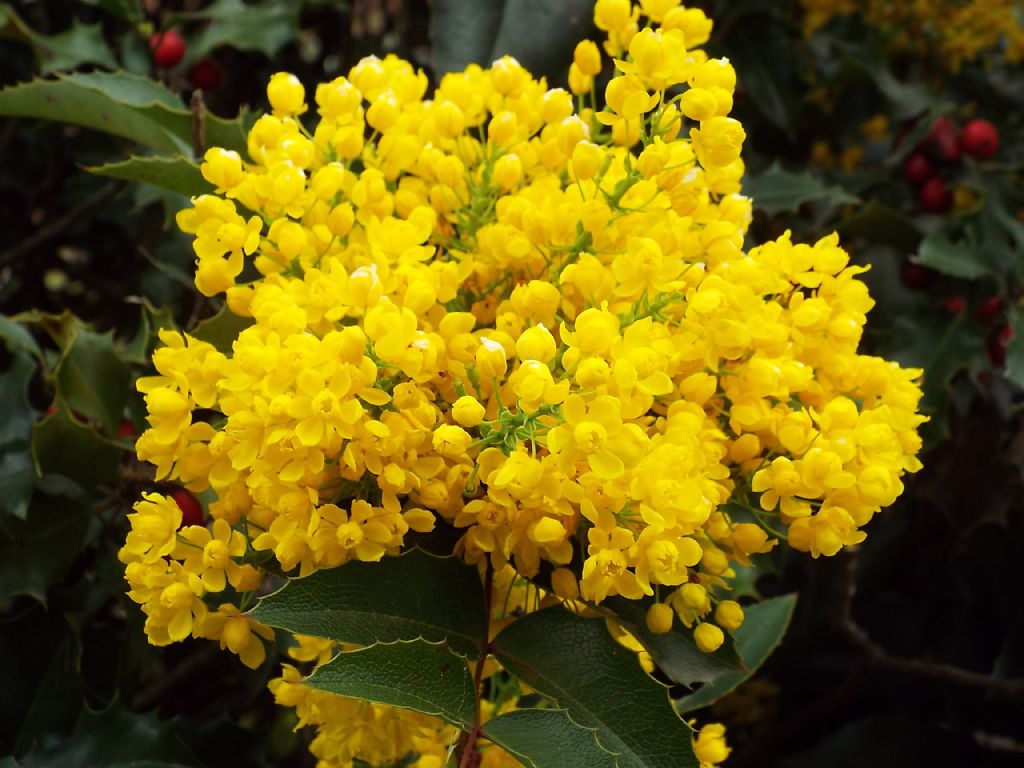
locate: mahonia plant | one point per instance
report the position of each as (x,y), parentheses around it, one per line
(512,314)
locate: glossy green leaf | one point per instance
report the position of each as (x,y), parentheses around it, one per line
(222,329)
(425,677)
(395,599)
(575,662)
(114,739)
(777,191)
(675,652)
(879,223)
(17,336)
(760,634)
(548,738)
(92,379)
(121,104)
(129,10)
(151,320)
(16,425)
(178,173)
(37,552)
(77,45)
(65,447)
(463,32)
(261,26)
(957,259)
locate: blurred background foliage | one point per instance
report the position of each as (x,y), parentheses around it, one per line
(908,652)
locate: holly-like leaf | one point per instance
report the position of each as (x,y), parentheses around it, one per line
(957,259)
(129,10)
(151,320)
(37,552)
(575,662)
(121,104)
(760,634)
(425,677)
(265,27)
(65,447)
(77,45)
(92,379)
(675,651)
(776,191)
(221,329)
(414,596)
(16,471)
(463,32)
(548,738)
(114,739)
(177,173)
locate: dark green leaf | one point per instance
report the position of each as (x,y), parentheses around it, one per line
(63,446)
(114,739)
(675,652)
(151,320)
(956,259)
(463,32)
(1014,370)
(541,34)
(548,738)
(574,661)
(760,634)
(265,27)
(765,70)
(126,9)
(395,599)
(417,675)
(222,329)
(92,379)
(178,174)
(877,222)
(776,191)
(79,44)
(17,336)
(38,551)
(16,425)
(17,475)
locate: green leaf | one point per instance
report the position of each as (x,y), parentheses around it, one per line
(120,104)
(777,191)
(956,259)
(548,738)
(77,45)
(760,634)
(879,223)
(129,10)
(178,173)
(675,651)
(425,677)
(65,447)
(114,739)
(574,661)
(17,475)
(17,336)
(395,599)
(92,379)
(151,320)
(38,551)
(463,32)
(1014,369)
(222,329)
(16,425)
(265,27)
(763,57)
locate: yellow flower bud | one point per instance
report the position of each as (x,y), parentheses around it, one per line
(490,359)
(451,441)
(286,94)
(503,127)
(708,637)
(222,168)
(714,561)
(612,15)
(587,58)
(729,614)
(693,595)
(508,170)
(578,82)
(468,411)
(563,581)
(659,618)
(586,160)
(536,343)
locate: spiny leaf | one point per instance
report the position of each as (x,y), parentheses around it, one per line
(65,447)
(675,652)
(222,329)
(957,259)
(92,379)
(176,173)
(395,599)
(265,27)
(417,675)
(574,661)
(761,632)
(776,190)
(548,738)
(79,44)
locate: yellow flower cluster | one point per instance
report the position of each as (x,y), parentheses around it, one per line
(513,311)
(958,31)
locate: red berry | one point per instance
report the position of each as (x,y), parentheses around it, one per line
(191,510)
(943,142)
(996,345)
(168,48)
(126,428)
(916,276)
(205,74)
(955,304)
(989,309)
(980,139)
(917,170)
(935,196)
